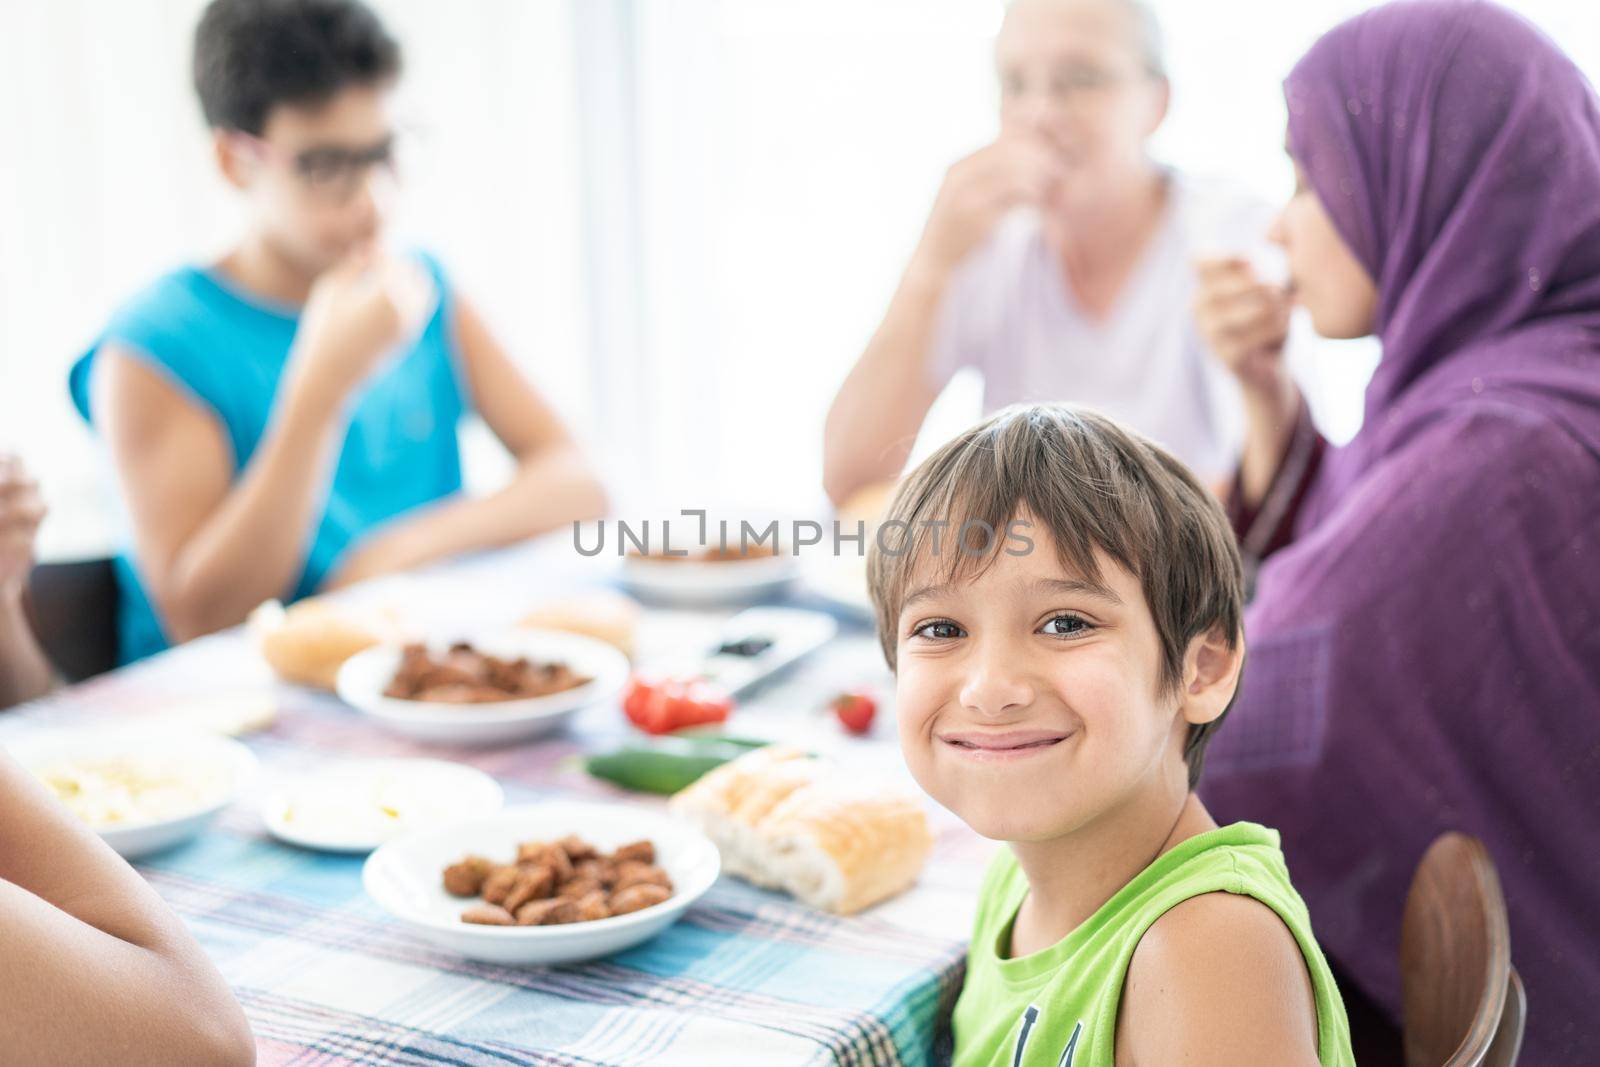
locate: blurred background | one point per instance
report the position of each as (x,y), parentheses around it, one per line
(684,216)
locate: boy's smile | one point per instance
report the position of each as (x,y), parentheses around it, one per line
(1000,745)
(1029,698)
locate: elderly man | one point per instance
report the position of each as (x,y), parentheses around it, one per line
(1057,260)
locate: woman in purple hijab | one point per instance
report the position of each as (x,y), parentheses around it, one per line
(1424,640)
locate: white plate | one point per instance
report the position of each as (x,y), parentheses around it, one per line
(365,676)
(692,584)
(217,769)
(793,633)
(405,878)
(357,805)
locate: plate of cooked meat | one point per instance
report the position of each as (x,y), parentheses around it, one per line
(544,883)
(502,687)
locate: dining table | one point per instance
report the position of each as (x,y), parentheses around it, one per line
(745,976)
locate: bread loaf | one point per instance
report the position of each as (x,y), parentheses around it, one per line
(307,642)
(786,820)
(603,614)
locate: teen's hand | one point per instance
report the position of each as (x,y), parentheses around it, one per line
(390,549)
(1245,321)
(980,189)
(358,312)
(21,511)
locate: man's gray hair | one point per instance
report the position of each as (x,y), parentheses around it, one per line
(1149,40)
(1152,43)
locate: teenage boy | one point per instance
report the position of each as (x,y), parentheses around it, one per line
(283,420)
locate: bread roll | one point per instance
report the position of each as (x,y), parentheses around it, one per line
(605,615)
(785,820)
(307,642)
(843,846)
(731,801)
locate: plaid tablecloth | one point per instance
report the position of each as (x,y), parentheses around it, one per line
(745,977)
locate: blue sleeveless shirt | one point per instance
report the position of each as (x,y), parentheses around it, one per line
(226,350)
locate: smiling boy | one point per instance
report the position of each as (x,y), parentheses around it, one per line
(1061,663)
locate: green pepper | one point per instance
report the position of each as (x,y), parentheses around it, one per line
(701,733)
(665,765)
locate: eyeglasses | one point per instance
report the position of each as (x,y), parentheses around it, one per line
(1068,84)
(331,173)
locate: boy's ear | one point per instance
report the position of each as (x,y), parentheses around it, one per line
(1210,676)
(234,167)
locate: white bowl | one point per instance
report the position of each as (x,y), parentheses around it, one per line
(355,805)
(405,878)
(217,768)
(695,584)
(365,676)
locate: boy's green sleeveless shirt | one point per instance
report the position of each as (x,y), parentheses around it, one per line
(1058,1007)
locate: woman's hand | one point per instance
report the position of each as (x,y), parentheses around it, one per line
(24,671)
(1245,322)
(21,512)
(979,190)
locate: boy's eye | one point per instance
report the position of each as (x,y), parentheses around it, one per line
(323,165)
(1066,626)
(938,630)
(327,166)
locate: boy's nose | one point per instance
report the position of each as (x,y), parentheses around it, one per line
(997,684)
(372,199)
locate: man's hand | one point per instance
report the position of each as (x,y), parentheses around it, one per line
(980,189)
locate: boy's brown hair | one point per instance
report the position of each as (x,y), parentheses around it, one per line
(1091,484)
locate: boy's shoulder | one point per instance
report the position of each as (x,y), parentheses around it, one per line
(1208,941)
(192,303)
(166,303)
(1213,971)
(177,322)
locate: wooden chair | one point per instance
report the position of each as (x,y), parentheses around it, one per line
(72,608)
(1463,1001)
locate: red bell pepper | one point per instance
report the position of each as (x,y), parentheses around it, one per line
(663,705)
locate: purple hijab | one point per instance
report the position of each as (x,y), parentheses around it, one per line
(1425,654)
